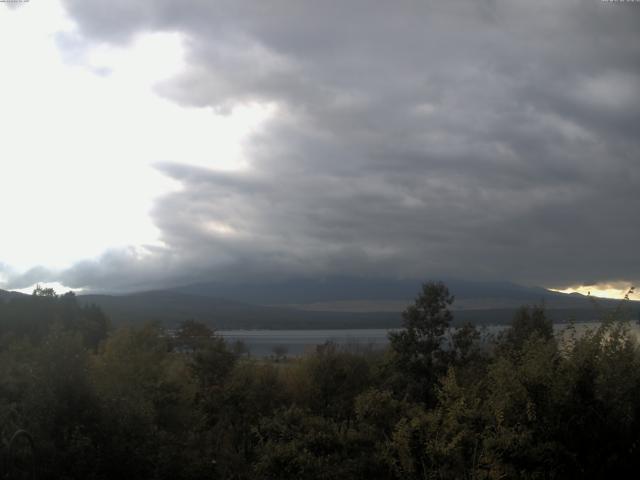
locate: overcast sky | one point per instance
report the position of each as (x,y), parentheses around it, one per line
(155,143)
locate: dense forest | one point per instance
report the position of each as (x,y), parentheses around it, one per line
(440,402)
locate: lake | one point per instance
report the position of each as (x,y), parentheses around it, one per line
(261,343)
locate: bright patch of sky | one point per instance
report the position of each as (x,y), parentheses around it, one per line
(81,132)
(601,290)
(57,287)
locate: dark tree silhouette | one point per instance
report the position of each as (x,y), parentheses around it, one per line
(418,347)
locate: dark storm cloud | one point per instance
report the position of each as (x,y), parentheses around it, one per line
(481,139)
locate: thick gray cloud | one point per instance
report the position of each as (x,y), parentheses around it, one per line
(483,139)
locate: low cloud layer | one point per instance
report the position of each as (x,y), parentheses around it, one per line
(480,139)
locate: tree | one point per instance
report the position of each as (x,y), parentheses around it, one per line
(44,292)
(240,348)
(192,335)
(280,352)
(146,394)
(329,380)
(528,321)
(417,349)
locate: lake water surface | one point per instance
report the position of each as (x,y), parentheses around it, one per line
(261,343)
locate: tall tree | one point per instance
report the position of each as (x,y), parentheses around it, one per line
(418,355)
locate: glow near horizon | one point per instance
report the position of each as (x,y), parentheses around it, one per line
(603,290)
(82,132)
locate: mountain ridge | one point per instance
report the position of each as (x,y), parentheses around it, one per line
(332,303)
(345,302)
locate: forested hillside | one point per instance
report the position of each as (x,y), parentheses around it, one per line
(145,403)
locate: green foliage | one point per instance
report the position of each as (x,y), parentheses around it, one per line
(210,361)
(233,414)
(298,444)
(33,317)
(527,321)
(147,403)
(418,355)
(61,407)
(425,322)
(146,394)
(329,380)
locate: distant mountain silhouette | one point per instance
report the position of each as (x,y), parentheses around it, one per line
(7,295)
(338,302)
(170,307)
(333,291)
